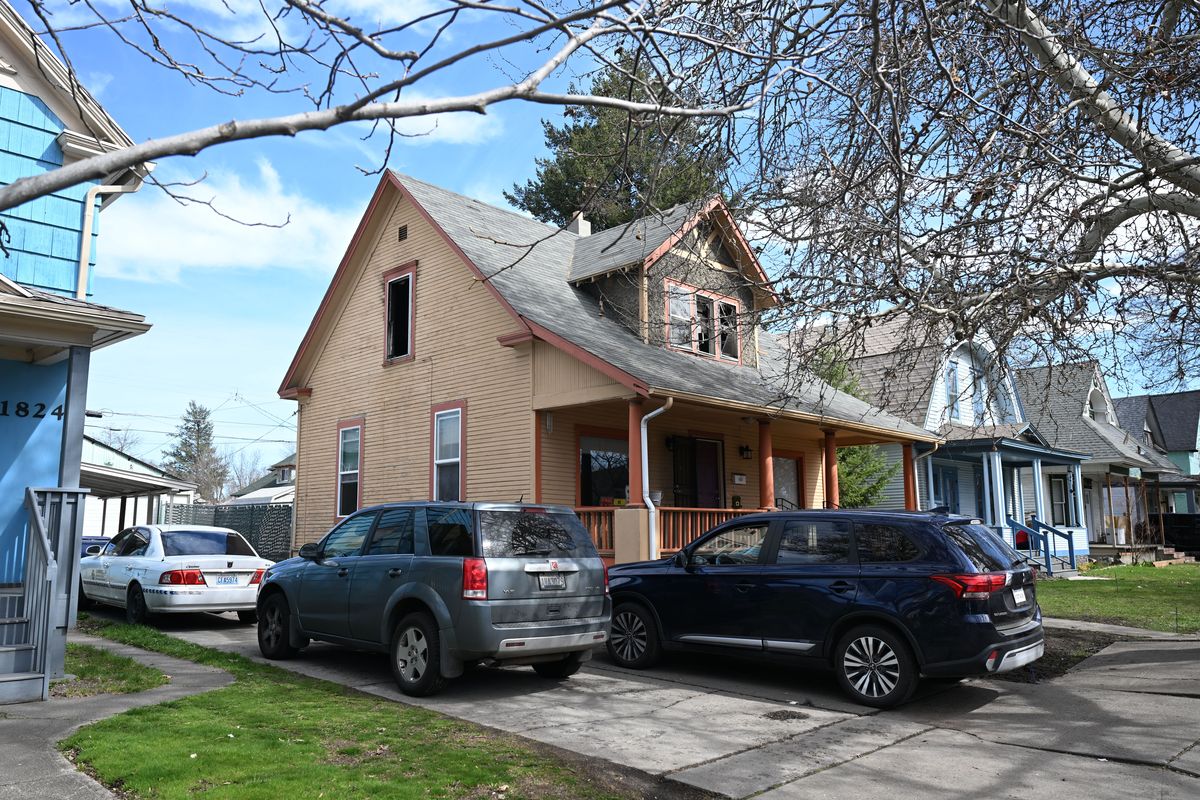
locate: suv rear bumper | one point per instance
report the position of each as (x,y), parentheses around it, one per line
(537,645)
(475,636)
(998,657)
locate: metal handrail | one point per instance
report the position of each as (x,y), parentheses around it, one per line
(41,575)
(1041,538)
(1037,523)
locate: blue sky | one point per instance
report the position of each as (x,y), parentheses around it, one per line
(229,303)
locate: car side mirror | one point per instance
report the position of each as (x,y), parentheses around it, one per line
(681,558)
(92,550)
(311,551)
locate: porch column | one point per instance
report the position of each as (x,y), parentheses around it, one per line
(1128,513)
(766,466)
(832,496)
(1080,513)
(1039,500)
(1158,497)
(1018,496)
(635,452)
(989,505)
(1112,513)
(998,490)
(929,481)
(910,478)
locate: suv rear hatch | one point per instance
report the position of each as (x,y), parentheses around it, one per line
(541,566)
(1005,586)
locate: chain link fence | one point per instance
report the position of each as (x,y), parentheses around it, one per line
(267,526)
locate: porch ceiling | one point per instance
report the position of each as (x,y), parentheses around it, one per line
(41,327)
(1012,453)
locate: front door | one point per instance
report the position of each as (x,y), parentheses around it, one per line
(708,474)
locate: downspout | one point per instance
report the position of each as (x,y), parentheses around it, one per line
(646,478)
(929,489)
(89,214)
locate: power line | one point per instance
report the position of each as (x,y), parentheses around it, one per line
(172,433)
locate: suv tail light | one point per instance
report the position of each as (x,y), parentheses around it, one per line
(474,579)
(183,577)
(973,585)
(605,565)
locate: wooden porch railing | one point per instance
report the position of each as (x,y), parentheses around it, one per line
(599,523)
(677,527)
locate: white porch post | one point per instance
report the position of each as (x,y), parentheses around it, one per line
(998,488)
(1080,515)
(1019,501)
(929,476)
(987,503)
(1039,501)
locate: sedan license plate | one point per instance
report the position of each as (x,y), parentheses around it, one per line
(552,580)
(227,580)
(1018,595)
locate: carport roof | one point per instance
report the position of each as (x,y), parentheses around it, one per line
(105,482)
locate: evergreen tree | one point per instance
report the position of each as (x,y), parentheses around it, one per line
(616,166)
(194,457)
(863,471)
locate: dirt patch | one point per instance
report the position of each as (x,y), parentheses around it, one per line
(350,754)
(1064,649)
(783,716)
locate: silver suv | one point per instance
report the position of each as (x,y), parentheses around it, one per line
(441,586)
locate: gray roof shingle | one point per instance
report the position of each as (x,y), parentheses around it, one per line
(631,243)
(1178,416)
(529,264)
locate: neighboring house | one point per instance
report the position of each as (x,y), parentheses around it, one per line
(1170,423)
(124,490)
(277,486)
(960,393)
(48,329)
(467,352)
(1071,407)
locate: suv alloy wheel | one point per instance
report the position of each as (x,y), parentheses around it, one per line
(875,667)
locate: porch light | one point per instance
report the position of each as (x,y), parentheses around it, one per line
(745,452)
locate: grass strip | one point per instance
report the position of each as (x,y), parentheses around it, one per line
(98,671)
(1161,599)
(275,734)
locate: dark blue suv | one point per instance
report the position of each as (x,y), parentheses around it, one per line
(880,597)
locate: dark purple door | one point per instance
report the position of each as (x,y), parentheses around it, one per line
(708,474)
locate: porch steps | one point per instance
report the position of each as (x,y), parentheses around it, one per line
(20,687)
(15,658)
(14,630)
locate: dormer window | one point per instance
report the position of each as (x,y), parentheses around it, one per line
(399,301)
(952,406)
(702,322)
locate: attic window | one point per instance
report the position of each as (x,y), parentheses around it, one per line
(702,322)
(401,233)
(400,299)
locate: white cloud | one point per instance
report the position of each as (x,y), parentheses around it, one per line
(459,127)
(151,237)
(97,82)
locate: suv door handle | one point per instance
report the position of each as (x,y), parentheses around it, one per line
(744,587)
(343,572)
(394,572)
(841,587)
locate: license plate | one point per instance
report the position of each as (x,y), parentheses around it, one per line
(1018,595)
(552,580)
(227,580)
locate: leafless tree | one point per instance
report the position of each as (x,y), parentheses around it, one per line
(122,439)
(1028,171)
(245,467)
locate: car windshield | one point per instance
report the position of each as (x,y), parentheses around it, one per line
(987,551)
(534,533)
(205,543)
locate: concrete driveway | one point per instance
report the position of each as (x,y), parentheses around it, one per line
(1125,722)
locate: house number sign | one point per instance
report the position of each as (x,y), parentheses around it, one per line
(28,409)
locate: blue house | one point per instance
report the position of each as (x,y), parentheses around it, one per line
(49,326)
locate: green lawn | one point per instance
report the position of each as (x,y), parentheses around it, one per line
(1162,599)
(98,671)
(275,734)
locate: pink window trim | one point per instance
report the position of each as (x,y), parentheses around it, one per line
(359,422)
(694,292)
(410,269)
(461,407)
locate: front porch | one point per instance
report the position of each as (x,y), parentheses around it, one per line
(704,464)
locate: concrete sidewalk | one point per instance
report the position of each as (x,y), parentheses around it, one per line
(33,768)
(1123,722)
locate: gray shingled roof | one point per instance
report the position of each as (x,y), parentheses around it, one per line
(897,366)
(1055,399)
(528,263)
(631,243)
(1178,416)
(1131,414)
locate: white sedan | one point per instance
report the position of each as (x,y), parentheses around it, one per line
(152,569)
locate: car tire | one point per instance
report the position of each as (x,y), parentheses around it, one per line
(275,628)
(135,605)
(416,655)
(84,601)
(561,669)
(633,642)
(247,617)
(875,667)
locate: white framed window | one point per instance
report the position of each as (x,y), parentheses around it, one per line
(727,313)
(447,454)
(679,313)
(349,469)
(702,322)
(978,394)
(400,316)
(952,407)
